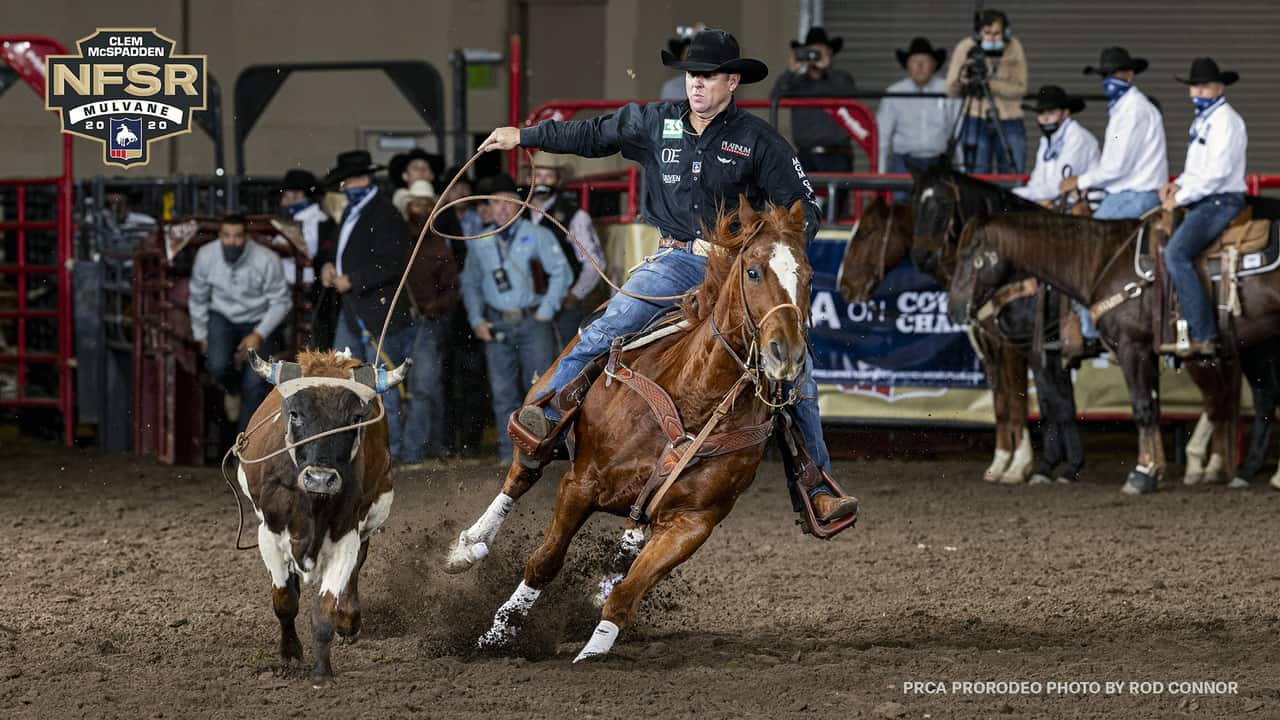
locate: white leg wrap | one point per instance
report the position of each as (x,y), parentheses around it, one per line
(1197,447)
(1213,470)
(601,641)
(507,620)
(1275,479)
(472,544)
(997,467)
(628,549)
(1020,465)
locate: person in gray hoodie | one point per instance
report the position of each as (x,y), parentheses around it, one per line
(238,298)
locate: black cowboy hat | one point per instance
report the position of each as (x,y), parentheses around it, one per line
(921,46)
(818,36)
(716,51)
(676,45)
(302,180)
(1205,70)
(397,164)
(351,164)
(1113,59)
(1053,97)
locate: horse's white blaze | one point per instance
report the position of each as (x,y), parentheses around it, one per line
(276,554)
(377,514)
(783,263)
(336,562)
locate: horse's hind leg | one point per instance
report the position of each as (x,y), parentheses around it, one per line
(670,545)
(573,507)
(1013,370)
(628,549)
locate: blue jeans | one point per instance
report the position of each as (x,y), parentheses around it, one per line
(1205,220)
(983,151)
(673,273)
(424,420)
(223,338)
(1127,205)
(901,163)
(397,347)
(525,349)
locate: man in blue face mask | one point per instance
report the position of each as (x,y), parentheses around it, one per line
(992,55)
(1212,189)
(1134,163)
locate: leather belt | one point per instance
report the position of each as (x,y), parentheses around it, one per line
(510,316)
(697,247)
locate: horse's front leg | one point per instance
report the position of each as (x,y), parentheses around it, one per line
(1141,374)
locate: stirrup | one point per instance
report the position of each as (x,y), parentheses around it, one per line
(808,520)
(539,449)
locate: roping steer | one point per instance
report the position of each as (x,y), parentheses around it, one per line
(318,503)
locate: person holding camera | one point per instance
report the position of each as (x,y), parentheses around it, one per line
(989,70)
(822,144)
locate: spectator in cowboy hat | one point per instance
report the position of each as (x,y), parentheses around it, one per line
(298,193)
(1065,144)
(365,268)
(1212,188)
(823,144)
(914,132)
(406,168)
(507,309)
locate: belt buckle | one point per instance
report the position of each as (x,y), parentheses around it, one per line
(512,316)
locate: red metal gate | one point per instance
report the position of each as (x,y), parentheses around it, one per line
(39,276)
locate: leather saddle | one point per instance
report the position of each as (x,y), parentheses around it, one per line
(1254,235)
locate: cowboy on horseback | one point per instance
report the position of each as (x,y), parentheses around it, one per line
(699,156)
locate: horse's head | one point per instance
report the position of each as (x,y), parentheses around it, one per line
(880,240)
(935,201)
(980,270)
(326,391)
(763,288)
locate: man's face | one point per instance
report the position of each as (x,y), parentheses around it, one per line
(1125,75)
(709,91)
(545,176)
(461,189)
(503,211)
(921,68)
(993,32)
(231,234)
(1206,90)
(419,208)
(417,169)
(1049,117)
(289,197)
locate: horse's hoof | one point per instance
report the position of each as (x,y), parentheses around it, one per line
(990,477)
(1064,480)
(1238,483)
(463,554)
(1193,478)
(495,638)
(1275,481)
(1039,479)
(1014,479)
(1139,483)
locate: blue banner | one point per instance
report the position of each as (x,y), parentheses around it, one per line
(902,337)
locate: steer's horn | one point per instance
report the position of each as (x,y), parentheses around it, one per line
(276,372)
(388,379)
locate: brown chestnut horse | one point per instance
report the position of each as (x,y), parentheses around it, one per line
(1091,262)
(882,238)
(754,270)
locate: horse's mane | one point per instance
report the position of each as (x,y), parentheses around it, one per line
(325,363)
(727,239)
(979,197)
(1075,246)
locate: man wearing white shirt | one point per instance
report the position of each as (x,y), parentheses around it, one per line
(914,132)
(297,194)
(1134,163)
(1212,189)
(1066,147)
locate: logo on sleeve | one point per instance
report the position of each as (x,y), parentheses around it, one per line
(671,129)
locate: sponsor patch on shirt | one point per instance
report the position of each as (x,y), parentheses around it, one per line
(670,179)
(671,129)
(697,167)
(735,148)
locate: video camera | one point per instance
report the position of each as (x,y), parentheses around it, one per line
(807,55)
(974,71)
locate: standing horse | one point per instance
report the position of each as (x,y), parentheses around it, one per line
(1092,263)
(744,321)
(883,237)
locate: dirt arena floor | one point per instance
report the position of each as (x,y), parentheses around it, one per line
(123,598)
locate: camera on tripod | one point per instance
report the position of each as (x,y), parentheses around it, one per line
(975,71)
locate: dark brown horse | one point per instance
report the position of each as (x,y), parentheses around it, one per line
(755,268)
(1092,262)
(883,238)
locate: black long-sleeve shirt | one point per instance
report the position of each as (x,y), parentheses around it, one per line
(811,127)
(687,176)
